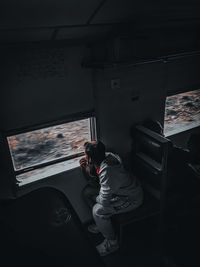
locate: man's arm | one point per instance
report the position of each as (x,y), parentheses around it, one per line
(88,170)
(84,165)
(105,192)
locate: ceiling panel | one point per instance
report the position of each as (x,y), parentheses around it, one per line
(115,11)
(145,10)
(24,13)
(38,19)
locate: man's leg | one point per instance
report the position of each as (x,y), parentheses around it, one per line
(89,195)
(102,216)
(102,219)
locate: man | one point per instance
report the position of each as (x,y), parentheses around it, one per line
(117,192)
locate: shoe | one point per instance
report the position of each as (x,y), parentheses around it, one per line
(92,228)
(107,247)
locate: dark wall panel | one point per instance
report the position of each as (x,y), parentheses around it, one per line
(41,85)
(140,94)
(183,74)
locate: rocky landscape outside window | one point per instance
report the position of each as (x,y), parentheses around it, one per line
(60,146)
(182,112)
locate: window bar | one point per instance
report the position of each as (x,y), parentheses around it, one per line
(93,130)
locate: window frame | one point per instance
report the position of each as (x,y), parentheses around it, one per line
(173,93)
(74,117)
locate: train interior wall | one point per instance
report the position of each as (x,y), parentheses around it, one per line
(42,84)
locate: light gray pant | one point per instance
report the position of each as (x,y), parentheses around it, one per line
(102,217)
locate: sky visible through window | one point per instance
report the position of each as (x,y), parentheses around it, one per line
(182,112)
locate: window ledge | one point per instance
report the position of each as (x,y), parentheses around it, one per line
(38,174)
(185,126)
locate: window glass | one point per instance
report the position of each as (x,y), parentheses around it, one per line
(62,142)
(38,174)
(182,112)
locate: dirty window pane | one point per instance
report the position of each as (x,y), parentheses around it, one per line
(38,174)
(182,112)
(44,145)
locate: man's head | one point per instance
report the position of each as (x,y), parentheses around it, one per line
(95,152)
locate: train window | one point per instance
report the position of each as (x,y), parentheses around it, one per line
(44,152)
(182,112)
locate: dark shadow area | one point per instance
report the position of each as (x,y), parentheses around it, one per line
(140,246)
(42,229)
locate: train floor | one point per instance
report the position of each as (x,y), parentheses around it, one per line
(138,248)
(143,246)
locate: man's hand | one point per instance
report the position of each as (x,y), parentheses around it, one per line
(83,163)
(85,168)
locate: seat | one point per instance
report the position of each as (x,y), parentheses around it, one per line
(149,164)
(149,209)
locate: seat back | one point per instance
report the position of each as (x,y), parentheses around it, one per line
(150,166)
(150,160)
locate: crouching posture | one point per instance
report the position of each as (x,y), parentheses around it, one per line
(117,192)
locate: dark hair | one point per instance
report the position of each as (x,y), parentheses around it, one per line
(95,152)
